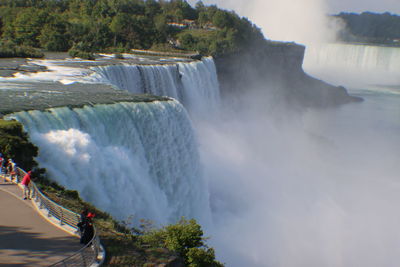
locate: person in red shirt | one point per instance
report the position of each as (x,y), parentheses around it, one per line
(26,183)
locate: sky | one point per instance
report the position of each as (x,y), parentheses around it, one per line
(301,21)
(392,6)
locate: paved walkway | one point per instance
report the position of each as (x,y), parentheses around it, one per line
(26,237)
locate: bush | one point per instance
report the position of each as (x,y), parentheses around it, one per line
(81,54)
(186,239)
(72,194)
(202,257)
(9,49)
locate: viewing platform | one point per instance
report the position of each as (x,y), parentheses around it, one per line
(27,238)
(39,232)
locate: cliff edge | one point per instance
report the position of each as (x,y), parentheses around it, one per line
(275,70)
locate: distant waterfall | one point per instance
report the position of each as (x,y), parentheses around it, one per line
(372,64)
(136,159)
(363,57)
(193,84)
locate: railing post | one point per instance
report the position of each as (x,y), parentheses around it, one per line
(83,259)
(61,217)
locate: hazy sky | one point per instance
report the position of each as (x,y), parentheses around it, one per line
(392,6)
(302,21)
(334,6)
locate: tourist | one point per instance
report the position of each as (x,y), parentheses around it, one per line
(88,229)
(26,183)
(14,172)
(81,224)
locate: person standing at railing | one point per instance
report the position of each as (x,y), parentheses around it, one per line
(81,224)
(26,183)
(88,229)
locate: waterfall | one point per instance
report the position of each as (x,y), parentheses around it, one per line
(372,64)
(194,84)
(136,159)
(364,57)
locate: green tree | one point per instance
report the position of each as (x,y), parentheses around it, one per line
(54,36)
(187,41)
(222,19)
(28,25)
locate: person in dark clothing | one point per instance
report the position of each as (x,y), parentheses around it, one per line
(88,229)
(81,224)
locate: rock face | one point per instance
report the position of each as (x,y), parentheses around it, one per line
(275,70)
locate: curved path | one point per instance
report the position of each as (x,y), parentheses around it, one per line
(26,237)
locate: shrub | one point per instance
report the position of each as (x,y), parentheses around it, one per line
(81,54)
(186,239)
(9,49)
(202,257)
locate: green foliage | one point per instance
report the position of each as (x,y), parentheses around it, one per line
(183,235)
(10,49)
(185,238)
(81,54)
(54,35)
(101,25)
(28,25)
(81,50)
(222,19)
(14,144)
(71,194)
(370,27)
(202,257)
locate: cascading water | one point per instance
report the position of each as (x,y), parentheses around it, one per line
(136,159)
(193,84)
(353,62)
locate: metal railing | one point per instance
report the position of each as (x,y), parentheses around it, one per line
(91,254)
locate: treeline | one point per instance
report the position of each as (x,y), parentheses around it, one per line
(371,28)
(121,25)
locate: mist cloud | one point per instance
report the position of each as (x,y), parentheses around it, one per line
(303,21)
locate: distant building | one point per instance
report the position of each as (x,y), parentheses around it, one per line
(186,23)
(177,25)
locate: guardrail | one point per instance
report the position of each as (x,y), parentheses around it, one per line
(91,254)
